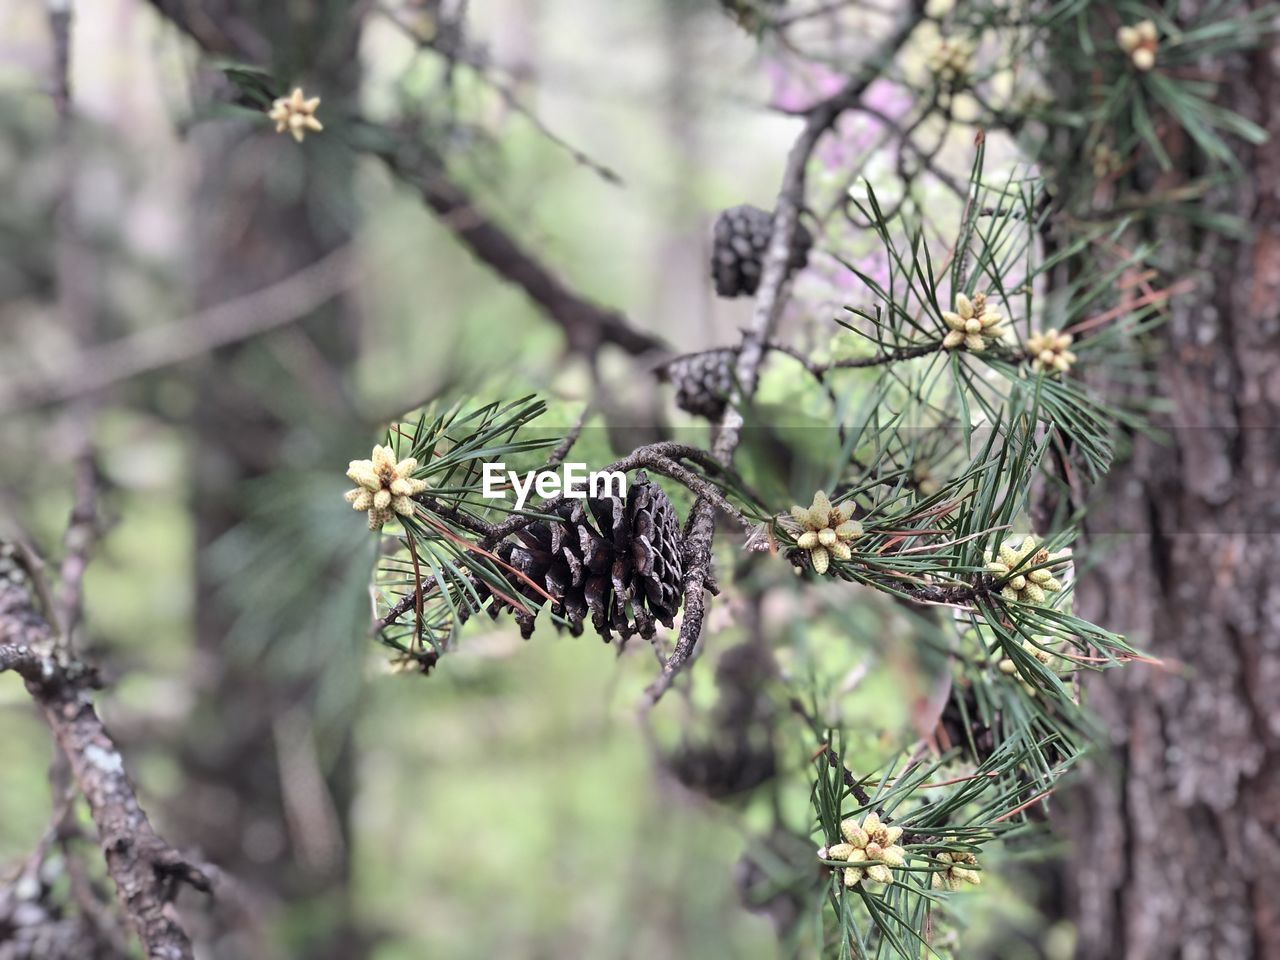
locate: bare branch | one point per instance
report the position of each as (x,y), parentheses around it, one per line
(238,39)
(163,346)
(701,528)
(82,533)
(586,324)
(448,45)
(570,438)
(145,869)
(60,28)
(77,303)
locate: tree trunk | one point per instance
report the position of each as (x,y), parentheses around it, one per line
(266,207)
(1176,836)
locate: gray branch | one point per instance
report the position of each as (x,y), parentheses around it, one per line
(145,869)
(701,530)
(587,325)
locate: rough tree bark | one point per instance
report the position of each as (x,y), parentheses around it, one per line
(1177,843)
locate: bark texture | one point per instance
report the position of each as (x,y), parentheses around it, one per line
(1176,837)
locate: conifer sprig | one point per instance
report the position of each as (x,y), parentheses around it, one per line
(958,406)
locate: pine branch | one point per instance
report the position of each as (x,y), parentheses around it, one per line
(146,870)
(587,325)
(662,458)
(819,370)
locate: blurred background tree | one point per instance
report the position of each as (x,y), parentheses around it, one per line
(513,196)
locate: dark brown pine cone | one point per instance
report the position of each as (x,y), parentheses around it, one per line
(702,381)
(616,560)
(738,248)
(734,752)
(958,733)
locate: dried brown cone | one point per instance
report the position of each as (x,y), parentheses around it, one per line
(738,248)
(962,726)
(702,381)
(735,753)
(614,561)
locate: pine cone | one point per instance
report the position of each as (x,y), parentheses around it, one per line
(618,560)
(739,245)
(702,381)
(977,742)
(735,752)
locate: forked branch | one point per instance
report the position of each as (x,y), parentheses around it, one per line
(769,298)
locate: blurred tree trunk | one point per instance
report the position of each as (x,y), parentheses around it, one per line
(1176,839)
(264,208)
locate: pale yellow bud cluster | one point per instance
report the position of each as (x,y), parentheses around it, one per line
(871,844)
(296,114)
(826,530)
(1049,351)
(959,870)
(1141,42)
(1106,161)
(926,482)
(384,486)
(1012,566)
(949,61)
(973,324)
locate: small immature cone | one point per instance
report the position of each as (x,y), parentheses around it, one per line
(825,531)
(869,840)
(1050,351)
(296,114)
(958,870)
(1013,564)
(1140,41)
(972,324)
(385,487)
(1039,649)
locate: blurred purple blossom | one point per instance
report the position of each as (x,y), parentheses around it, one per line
(856,133)
(797,85)
(842,280)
